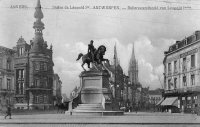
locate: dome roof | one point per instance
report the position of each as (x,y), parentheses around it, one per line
(38,13)
(37,44)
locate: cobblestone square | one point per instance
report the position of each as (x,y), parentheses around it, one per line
(129,119)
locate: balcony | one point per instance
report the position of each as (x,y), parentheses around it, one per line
(169,73)
(183,90)
(6,91)
(184,69)
(175,72)
(192,68)
(39,88)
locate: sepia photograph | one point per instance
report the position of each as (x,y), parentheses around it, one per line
(99,63)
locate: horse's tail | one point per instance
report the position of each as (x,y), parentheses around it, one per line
(79,56)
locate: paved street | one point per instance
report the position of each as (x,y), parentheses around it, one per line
(129,119)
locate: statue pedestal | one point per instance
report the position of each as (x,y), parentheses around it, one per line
(96,96)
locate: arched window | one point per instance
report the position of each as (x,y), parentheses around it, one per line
(8,63)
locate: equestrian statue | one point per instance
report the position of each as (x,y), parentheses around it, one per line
(94,56)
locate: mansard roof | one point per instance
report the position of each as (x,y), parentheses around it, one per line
(184,43)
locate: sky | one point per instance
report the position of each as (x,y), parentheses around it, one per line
(70,31)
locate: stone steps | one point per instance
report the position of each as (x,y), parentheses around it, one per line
(89,107)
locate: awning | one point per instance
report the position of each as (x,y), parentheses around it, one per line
(162,99)
(170,101)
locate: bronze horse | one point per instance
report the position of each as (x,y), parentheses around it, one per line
(98,57)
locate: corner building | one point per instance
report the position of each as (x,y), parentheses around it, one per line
(6,77)
(34,69)
(182,74)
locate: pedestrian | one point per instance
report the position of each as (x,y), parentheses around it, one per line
(136,109)
(8,112)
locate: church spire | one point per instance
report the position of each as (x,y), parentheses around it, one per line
(116,60)
(133,54)
(133,68)
(132,60)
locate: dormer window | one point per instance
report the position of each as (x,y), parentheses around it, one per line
(185,42)
(170,49)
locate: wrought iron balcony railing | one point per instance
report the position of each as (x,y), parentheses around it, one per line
(183,90)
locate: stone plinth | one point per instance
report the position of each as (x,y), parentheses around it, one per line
(96,96)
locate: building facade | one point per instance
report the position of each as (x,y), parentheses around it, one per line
(34,69)
(155,96)
(6,77)
(57,87)
(116,80)
(182,73)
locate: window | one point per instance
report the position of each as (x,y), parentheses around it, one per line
(192,80)
(21,51)
(184,81)
(19,74)
(22,72)
(1,85)
(175,83)
(1,62)
(169,67)
(175,66)
(41,66)
(8,84)
(36,99)
(121,93)
(37,66)
(8,64)
(45,82)
(17,88)
(22,88)
(192,60)
(45,66)
(169,84)
(184,64)
(37,82)
(45,99)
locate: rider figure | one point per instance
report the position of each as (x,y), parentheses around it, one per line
(91,50)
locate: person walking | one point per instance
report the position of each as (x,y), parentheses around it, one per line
(8,112)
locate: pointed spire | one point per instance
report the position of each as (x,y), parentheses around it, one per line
(116,60)
(132,60)
(38,13)
(133,53)
(38,24)
(133,68)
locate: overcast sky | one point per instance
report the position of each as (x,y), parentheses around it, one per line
(70,30)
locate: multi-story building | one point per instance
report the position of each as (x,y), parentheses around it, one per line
(6,77)
(116,80)
(181,73)
(125,91)
(34,69)
(57,87)
(155,96)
